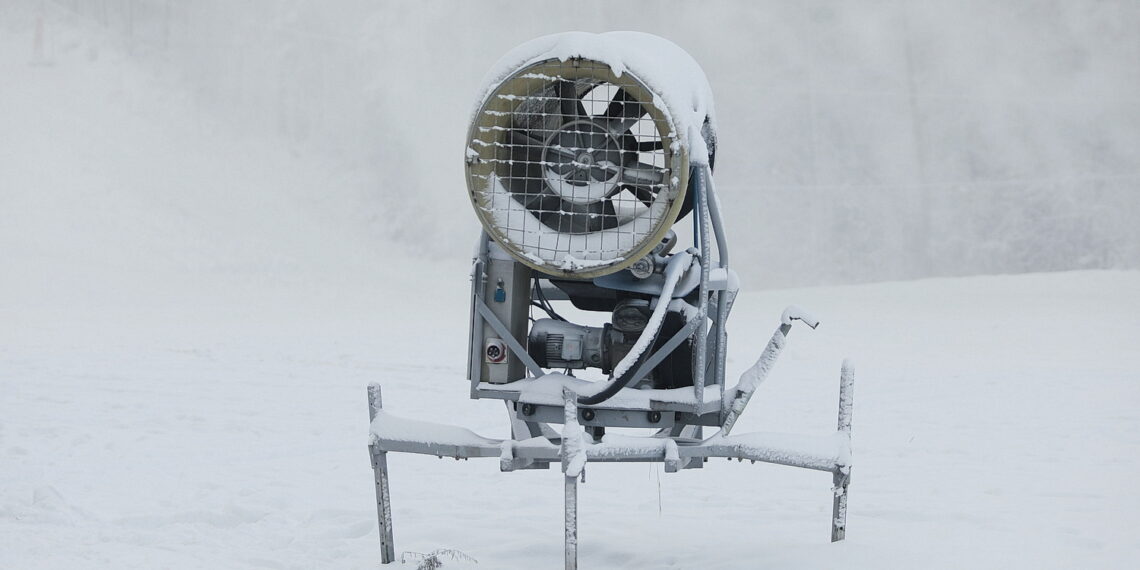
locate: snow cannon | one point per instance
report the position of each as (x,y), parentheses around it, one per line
(584,151)
(578,168)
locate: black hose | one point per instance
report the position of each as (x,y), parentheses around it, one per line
(545,303)
(671,277)
(619,383)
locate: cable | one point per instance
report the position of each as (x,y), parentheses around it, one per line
(550,313)
(627,368)
(545,303)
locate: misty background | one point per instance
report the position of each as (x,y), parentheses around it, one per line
(221,220)
(859,141)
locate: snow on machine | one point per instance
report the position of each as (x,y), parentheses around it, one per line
(583,153)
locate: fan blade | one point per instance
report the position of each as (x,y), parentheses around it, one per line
(523,142)
(524,172)
(643,194)
(617,105)
(623,112)
(605,219)
(556,213)
(573,218)
(552,211)
(544,205)
(569,101)
(521,137)
(641,174)
(568,217)
(561,151)
(650,146)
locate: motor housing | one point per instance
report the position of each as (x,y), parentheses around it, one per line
(559,344)
(556,343)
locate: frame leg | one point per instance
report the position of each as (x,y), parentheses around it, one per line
(840,480)
(383,506)
(380,473)
(573,466)
(571,523)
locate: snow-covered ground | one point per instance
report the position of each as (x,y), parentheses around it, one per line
(189,318)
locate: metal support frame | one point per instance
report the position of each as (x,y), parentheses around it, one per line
(841,477)
(573,449)
(573,466)
(571,509)
(380,473)
(475,334)
(678,442)
(700,351)
(725,296)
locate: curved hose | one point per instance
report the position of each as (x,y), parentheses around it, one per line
(625,369)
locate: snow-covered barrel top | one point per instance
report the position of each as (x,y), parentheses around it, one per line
(580,148)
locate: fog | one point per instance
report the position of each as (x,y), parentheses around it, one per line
(859,141)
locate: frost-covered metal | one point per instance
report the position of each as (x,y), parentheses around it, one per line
(583,153)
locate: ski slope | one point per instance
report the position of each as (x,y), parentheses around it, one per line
(189,317)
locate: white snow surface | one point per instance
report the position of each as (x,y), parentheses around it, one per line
(662,65)
(404,429)
(189,318)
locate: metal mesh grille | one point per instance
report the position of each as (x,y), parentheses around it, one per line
(573,168)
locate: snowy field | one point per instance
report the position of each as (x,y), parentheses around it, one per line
(189,317)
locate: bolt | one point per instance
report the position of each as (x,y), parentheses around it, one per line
(528,409)
(642,268)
